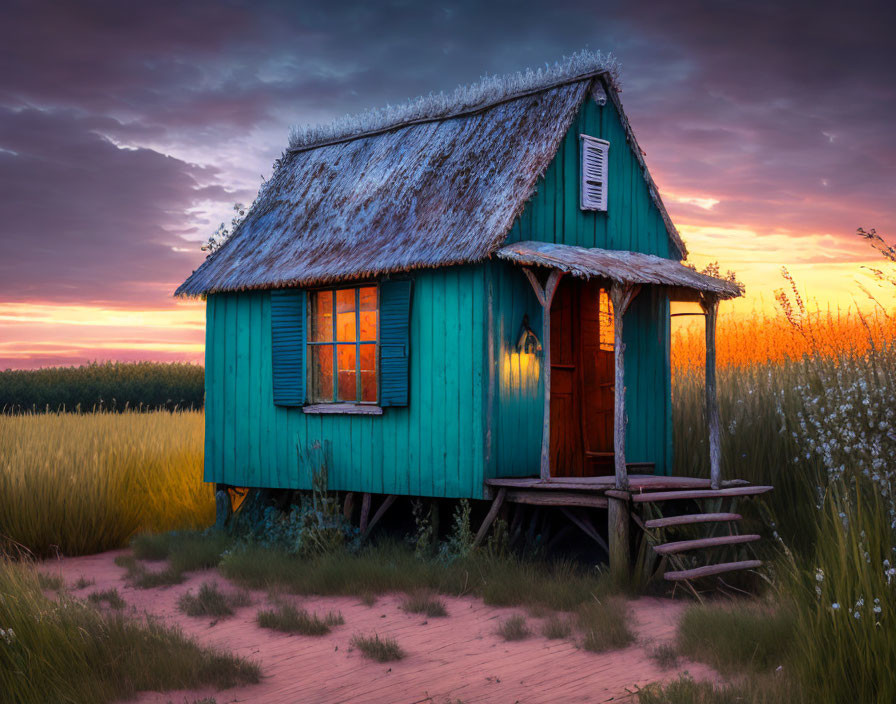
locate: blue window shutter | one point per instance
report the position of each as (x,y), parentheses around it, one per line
(288,346)
(395,341)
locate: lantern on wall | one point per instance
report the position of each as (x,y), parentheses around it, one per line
(527,342)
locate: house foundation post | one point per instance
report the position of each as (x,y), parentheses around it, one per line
(618,521)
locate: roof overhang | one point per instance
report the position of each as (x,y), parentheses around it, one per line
(684,283)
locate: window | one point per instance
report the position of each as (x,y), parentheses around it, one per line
(606,323)
(342,345)
(594,173)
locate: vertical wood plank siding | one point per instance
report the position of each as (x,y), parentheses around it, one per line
(436,445)
(632,222)
(432,447)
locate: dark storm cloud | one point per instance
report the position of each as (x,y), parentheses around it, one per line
(87,221)
(781,112)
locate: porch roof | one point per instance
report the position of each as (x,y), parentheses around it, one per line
(621,266)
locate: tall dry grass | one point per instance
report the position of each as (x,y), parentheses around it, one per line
(78,484)
(807,405)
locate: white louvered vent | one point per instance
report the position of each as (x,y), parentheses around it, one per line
(594,172)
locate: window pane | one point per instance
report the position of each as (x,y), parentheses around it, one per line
(347,360)
(345,315)
(321,372)
(368,313)
(322,316)
(606,323)
(368,373)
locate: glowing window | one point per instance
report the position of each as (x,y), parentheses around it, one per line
(342,345)
(605,320)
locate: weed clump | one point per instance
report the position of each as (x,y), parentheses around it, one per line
(289,619)
(605,625)
(50,582)
(211,601)
(665,655)
(422,602)
(556,628)
(514,628)
(110,597)
(376,648)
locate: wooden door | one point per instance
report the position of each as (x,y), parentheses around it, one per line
(581,384)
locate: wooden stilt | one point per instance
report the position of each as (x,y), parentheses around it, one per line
(434,520)
(387,502)
(365,512)
(516,523)
(223,507)
(618,534)
(558,536)
(490,516)
(584,523)
(710,306)
(348,508)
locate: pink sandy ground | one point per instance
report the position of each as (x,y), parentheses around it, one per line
(459,658)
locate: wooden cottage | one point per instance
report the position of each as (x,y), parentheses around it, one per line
(434,301)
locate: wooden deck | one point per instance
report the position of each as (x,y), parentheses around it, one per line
(638,483)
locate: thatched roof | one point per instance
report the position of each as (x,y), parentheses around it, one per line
(436,182)
(619,266)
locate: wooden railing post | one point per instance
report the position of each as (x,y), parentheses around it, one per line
(710,305)
(621,295)
(545,297)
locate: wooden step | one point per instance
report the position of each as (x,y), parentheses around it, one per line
(689,518)
(712,569)
(653,496)
(683,545)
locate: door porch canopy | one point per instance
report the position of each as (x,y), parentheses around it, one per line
(626,272)
(622,267)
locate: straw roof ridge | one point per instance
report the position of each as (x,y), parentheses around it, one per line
(438,182)
(465,99)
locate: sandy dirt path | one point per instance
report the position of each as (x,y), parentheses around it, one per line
(459,658)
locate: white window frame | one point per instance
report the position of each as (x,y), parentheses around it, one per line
(592,148)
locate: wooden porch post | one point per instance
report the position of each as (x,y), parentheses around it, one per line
(618,508)
(710,306)
(545,297)
(621,294)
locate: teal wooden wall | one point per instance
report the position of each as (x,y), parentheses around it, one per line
(433,447)
(631,222)
(518,406)
(437,445)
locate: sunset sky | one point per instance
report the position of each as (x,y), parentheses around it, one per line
(128,130)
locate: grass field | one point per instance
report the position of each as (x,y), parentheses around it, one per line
(80,484)
(806,405)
